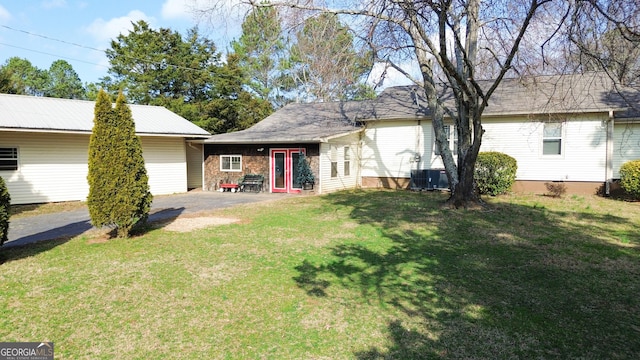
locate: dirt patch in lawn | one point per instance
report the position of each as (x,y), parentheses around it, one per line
(187,224)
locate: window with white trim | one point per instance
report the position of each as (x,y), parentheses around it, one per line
(8,158)
(334,161)
(552,139)
(452,138)
(230,162)
(347,161)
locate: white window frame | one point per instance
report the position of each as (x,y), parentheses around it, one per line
(553,138)
(231,163)
(334,161)
(452,138)
(347,161)
(9,154)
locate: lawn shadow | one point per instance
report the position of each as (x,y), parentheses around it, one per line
(513,282)
(17,252)
(61,232)
(33,244)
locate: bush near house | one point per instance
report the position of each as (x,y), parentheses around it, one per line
(5,202)
(630,178)
(119,194)
(305,174)
(495,172)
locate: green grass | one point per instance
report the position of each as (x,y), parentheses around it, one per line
(352,275)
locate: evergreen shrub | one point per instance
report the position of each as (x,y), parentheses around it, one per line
(119,194)
(5,211)
(630,178)
(495,172)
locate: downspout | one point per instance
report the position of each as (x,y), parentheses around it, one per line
(609,155)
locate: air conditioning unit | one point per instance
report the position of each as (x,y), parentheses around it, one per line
(429,179)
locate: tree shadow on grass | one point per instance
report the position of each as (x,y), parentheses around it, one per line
(514,282)
(13,253)
(33,244)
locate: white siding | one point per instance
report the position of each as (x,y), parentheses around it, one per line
(340,182)
(53,167)
(583,148)
(626,145)
(389,148)
(166,163)
(195,163)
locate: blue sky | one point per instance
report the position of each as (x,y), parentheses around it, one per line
(71,29)
(43,31)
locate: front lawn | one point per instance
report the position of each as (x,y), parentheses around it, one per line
(352,275)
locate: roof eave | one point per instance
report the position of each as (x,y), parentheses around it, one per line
(88,132)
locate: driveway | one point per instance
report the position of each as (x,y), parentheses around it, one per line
(72,223)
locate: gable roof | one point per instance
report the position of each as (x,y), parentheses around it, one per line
(32,113)
(559,94)
(539,95)
(299,123)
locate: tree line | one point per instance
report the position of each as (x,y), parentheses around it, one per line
(186,73)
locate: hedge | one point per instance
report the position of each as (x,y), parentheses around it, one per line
(495,172)
(630,178)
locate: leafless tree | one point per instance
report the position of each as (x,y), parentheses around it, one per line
(457,43)
(606,37)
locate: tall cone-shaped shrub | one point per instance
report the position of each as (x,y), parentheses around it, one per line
(119,194)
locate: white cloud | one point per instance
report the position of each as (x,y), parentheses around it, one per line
(4,14)
(50,4)
(177,9)
(105,30)
(383,76)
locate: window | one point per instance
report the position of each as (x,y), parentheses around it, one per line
(452,137)
(9,158)
(230,162)
(347,161)
(552,139)
(334,161)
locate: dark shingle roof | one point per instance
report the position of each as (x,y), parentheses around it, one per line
(317,122)
(299,123)
(591,92)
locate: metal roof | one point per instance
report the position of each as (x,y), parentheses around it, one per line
(33,113)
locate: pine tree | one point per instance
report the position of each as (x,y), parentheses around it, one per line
(119,194)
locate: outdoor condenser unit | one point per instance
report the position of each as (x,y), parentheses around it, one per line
(429,179)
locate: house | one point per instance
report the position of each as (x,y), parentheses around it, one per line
(574,129)
(44,148)
(325,132)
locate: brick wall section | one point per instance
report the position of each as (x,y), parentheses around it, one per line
(253,162)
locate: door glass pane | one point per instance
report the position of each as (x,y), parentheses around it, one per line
(295,157)
(279,170)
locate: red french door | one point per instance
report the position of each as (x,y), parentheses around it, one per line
(284,170)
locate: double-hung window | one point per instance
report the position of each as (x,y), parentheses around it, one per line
(230,162)
(347,161)
(552,139)
(8,158)
(452,139)
(334,161)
